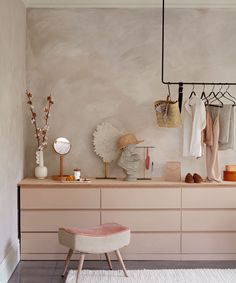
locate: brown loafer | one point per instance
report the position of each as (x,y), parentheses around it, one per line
(189,178)
(197,178)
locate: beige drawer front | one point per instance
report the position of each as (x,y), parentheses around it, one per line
(141,198)
(209,243)
(140,243)
(221,220)
(45,220)
(153,243)
(59,199)
(145,220)
(41,243)
(209,198)
(45,246)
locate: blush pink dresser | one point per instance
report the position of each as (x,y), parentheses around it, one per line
(169,221)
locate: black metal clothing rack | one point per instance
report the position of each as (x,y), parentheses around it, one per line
(163,61)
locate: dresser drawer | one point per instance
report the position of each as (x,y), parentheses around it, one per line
(209,243)
(43,246)
(41,243)
(141,198)
(209,197)
(153,243)
(145,220)
(140,243)
(50,221)
(60,198)
(206,220)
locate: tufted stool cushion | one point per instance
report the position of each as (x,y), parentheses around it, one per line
(95,240)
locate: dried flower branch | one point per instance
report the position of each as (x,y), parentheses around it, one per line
(40,133)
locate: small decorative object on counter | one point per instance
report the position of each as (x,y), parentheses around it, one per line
(40,134)
(41,171)
(62,146)
(129,159)
(148,167)
(230,173)
(77,174)
(104,142)
(172,171)
(231,168)
(195,178)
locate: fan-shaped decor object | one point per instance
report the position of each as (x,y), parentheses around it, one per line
(105,144)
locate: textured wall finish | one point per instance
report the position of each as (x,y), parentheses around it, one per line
(200,45)
(104,65)
(12,87)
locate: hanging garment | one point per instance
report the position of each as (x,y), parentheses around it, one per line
(226,138)
(225,114)
(207,134)
(194,123)
(212,157)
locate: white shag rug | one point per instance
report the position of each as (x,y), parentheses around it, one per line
(155,276)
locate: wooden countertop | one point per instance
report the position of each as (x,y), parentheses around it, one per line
(117,183)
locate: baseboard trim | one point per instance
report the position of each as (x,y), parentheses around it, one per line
(9,263)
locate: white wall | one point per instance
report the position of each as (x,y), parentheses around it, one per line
(12,88)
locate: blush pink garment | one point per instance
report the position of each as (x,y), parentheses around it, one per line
(207,133)
(97,231)
(212,156)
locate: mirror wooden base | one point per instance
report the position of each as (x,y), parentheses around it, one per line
(60,178)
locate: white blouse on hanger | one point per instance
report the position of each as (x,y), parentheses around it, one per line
(194,123)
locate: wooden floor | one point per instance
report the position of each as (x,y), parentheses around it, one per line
(50,271)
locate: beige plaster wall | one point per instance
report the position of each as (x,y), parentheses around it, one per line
(12,87)
(105,65)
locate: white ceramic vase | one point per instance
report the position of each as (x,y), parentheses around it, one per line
(41,171)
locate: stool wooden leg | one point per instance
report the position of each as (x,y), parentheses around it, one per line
(108,260)
(81,262)
(121,262)
(69,255)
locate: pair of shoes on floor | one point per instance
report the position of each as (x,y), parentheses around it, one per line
(195,178)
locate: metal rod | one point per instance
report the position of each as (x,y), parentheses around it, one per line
(163,42)
(197,83)
(163,60)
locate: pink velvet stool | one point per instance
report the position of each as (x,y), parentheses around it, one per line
(95,240)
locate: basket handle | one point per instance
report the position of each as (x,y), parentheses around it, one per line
(168,98)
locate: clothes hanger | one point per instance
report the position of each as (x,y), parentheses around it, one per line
(223,94)
(230,98)
(213,96)
(203,96)
(193,92)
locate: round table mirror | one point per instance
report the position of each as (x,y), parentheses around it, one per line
(62,146)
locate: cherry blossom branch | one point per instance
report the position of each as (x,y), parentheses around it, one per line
(33,119)
(40,133)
